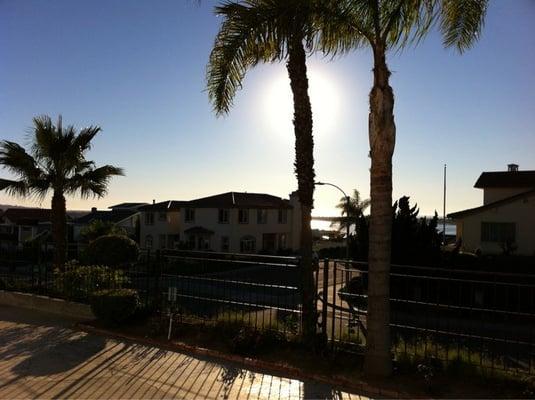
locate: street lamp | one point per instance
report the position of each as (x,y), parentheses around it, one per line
(348,200)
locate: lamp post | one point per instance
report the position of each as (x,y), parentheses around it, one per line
(348,200)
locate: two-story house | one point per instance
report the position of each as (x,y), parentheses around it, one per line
(237,222)
(507,217)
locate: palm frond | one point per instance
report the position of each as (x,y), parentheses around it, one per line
(15,159)
(92,182)
(84,137)
(245,38)
(14,188)
(461,22)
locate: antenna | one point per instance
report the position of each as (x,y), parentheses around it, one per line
(444,211)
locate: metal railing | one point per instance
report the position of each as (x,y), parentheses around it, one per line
(484,319)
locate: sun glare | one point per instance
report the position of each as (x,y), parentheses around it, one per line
(324,96)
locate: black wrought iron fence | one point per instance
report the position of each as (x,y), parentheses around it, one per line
(260,291)
(484,319)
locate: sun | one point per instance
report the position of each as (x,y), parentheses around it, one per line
(324,97)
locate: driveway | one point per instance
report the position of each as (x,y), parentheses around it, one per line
(42,357)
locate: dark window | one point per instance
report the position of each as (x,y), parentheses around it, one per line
(162,216)
(243,216)
(225,243)
(248,244)
(190,215)
(283,241)
(498,232)
(261,216)
(223,216)
(148,241)
(283,216)
(149,218)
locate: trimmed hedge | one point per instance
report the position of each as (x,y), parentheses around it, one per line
(78,282)
(115,306)
(112,250)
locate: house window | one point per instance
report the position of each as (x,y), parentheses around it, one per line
(149,218)
(248,244)
(223,216)
(283,238)
(261,216)
(225,243)
(191,242)
(161,241)
(283,216)
(190,215)
(148,241)
(203,243)
(162,216)
(243,216)
(498,232)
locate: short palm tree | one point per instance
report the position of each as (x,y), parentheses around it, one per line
(383,26)
(266,31)
(352,211)
(55,163)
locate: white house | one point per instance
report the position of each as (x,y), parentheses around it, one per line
(506,218)
(235,222)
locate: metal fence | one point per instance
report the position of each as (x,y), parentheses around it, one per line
(261,291)
(484,319)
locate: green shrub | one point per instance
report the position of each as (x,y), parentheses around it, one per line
(78,282)
(115,306)
(111,250)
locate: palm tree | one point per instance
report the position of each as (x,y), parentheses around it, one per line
(266,31)
(386,25)
(55,162)
(352,211)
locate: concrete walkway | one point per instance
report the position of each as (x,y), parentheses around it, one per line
(42,357)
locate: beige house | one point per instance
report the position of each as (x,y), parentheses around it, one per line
(506,220)
(236,222)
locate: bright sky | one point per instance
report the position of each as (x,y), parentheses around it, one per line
(136,68)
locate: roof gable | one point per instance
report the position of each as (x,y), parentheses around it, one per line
(507,200)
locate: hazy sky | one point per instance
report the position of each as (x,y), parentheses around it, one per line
(136,68)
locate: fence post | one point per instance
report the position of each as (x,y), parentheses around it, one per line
(324,295)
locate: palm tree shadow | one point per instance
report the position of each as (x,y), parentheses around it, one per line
(314,390)
(60,353)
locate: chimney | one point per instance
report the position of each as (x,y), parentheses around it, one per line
(512,167)
(153,201)
(93,209)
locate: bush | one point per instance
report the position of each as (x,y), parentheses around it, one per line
(112,250)
(78,282)
(115,306)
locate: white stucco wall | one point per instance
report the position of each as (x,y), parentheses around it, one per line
(235,231)
(208,218)
(520,212)
(169,226)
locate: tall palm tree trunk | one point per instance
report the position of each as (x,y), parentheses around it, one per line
(304,168)
(382,136)
(59,229)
